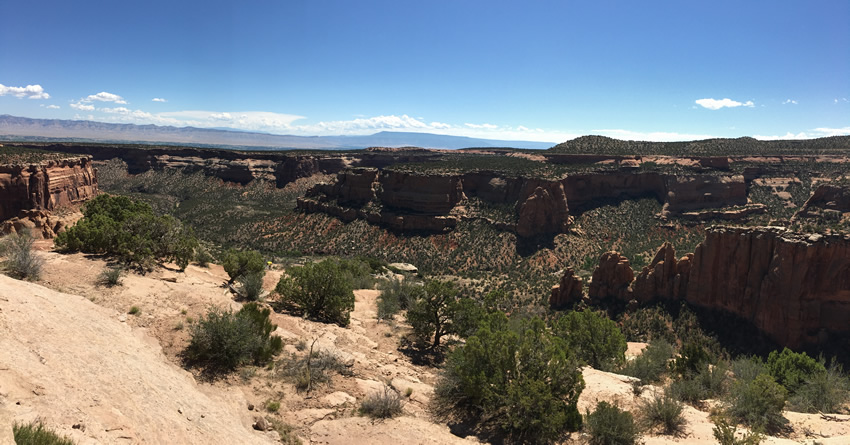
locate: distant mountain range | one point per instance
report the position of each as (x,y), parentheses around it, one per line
(48,129)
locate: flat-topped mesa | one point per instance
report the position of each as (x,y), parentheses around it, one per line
(793,287)
(45,185)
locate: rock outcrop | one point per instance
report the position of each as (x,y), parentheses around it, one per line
(39,223)
(545,210)
(612,278)
(829,202)
(567,292)
(46,185)
(665,277)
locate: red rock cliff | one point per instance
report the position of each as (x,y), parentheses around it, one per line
(45,185)
(793,287)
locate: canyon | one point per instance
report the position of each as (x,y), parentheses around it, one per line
(45,185)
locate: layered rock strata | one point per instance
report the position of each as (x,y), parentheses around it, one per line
(46,185)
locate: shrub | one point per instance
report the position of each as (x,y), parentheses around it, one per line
(360,273)
(596,340)
(432,314)
(134,310)
(21,261)
(648,324)
(790,369)
(691,359)
(665,412)
(313,368)
(273,406)
(37,434)
(397,294)
(382,404)
(251,285)
(758,403)
(651,365)
(824,392)
(224,340)
(521,381)
(322,290)
(746,369)
(725,433)
(609,425)
(118,225)
(203,256)
(286,432)
(238,263)
(708,383)
(110,276)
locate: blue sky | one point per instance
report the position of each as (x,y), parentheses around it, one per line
(535,70)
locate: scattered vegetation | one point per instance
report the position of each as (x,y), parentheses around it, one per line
(825,392)
(596,340)
(791,369)
(36,433)
(21,261)
(134,310)
(251,285)
(665,413)
(382,404)
(758,403)
(323,291)
(313,368)
(651,365)
(397,294)
(726,434)
(224,340)
(519,380)
(110,276)
(432,314)
(128,229)
(609,425)
(241,263)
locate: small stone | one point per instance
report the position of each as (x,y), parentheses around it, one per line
(250,407)
(180,410)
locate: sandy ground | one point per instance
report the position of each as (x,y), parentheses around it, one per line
(72,356)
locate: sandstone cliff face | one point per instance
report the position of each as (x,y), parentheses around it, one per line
(46,185)
(793,287)
(424,194)
(567,292)
(703,191)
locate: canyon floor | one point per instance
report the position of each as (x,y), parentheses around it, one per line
(72,357)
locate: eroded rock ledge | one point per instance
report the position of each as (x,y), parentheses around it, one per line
(436,202)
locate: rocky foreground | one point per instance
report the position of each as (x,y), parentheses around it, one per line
(90,371)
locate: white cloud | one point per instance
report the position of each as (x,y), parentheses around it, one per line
(158,99)
(843,99)
(103,96)
(789,101)
(819,132)
(487,126)
(51,107)
(29,91)
(82,107)
(716,104)
(655,136)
